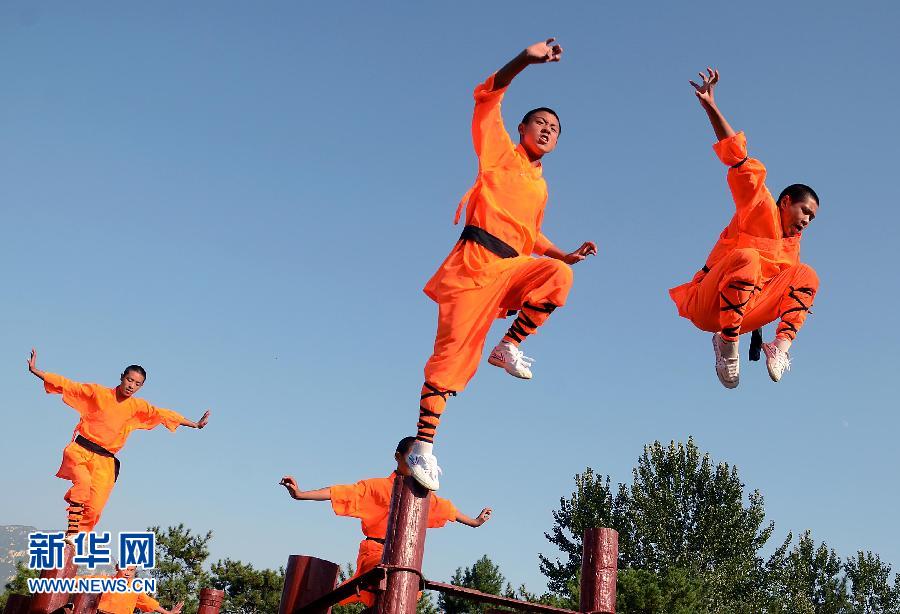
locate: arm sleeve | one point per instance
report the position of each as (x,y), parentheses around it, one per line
(441,512)
(746,175)
(146,603)
(74,393)
(489,136)
(542,244)
(349,499)
(149,417)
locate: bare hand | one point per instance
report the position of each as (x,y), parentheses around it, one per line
(177,608)
(290,483)
(588,248)
(545,51)
(32,366)
(204,419)
(484,516)
(704,91)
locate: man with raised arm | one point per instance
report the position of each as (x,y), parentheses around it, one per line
(753,275)
(490,272)
(107,417)
(370,501)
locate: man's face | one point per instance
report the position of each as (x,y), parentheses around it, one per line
(131,383)
(796,215)
(540,134)
(402,466)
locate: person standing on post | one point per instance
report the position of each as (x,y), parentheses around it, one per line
(490,272)
(107,417)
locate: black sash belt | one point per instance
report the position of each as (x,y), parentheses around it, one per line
(375,539)
(96,448)
(488,241)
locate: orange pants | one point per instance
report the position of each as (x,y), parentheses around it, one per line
(732,299)
(369,557)
(93,477)
(534,288)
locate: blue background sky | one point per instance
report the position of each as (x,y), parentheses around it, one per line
(247,198)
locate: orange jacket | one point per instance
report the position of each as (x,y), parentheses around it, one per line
(507,200)
(125,603)
(756,223)
(105,420)
(370,501)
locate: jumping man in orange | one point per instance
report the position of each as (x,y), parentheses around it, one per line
(753,275)
(107,417)
(490,272)
(370,501)
(126,603)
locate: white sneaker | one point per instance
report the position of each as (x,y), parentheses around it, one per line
(776,360)
(727,367)
(425,470)
(512,359)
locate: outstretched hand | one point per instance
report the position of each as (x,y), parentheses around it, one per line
(588,248)
(32,361)
(204,419)
(545,51)
(704,90)
(290,483)
(484,516)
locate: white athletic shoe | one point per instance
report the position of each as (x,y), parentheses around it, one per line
(512,359)
(727,367)
(776,360)
(425,470)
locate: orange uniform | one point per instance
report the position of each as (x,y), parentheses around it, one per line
(125,603)
(370,501)
(476,285)
(104,425)
(753,274)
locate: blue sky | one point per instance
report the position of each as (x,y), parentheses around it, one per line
(247,198)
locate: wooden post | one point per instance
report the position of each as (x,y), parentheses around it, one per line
(305,579)
(85,603)
(404,547)
(599,570)
(17,604)
(210,601)
(45,603)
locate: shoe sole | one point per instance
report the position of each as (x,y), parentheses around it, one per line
(502,365)
(425,483)
(769,369)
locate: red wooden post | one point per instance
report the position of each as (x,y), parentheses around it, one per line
(305,579)
(45,603)
(85,603)
(599,569)
(17,604)
(404,546)
(210,601)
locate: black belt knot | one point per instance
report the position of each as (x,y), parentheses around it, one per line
(488,241)
(96,448)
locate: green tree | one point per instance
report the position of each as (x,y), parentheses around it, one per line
(806,579)
(247,590)
(484,576)
(675,591)
(179,572)
(683,513)
(870,584)
(18,584)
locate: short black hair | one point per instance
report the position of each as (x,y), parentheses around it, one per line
(798,192)
(538,110)
(405,445)
(136,369)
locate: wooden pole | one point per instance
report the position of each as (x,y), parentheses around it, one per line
(210,601)
(305,579)
(599,570)
(17,604)
(85,603)
(45,603)
(404,547)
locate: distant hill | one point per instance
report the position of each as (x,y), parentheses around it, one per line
(13,546)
